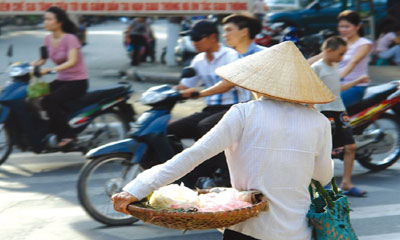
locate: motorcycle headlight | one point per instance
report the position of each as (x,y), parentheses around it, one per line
(152,97)
(19,69)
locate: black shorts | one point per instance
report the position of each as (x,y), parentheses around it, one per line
(233,235)
(341,130)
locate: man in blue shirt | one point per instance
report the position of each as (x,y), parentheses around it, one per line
(239,33)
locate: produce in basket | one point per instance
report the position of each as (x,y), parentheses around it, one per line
(214,208)
(174,196)
(217,199)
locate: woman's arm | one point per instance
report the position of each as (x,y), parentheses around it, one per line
(38,62)
(227,131)
(224,134)
(362,79)
(72,60)
(323,168)
(361,53)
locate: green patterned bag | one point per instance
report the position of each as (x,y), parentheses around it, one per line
(329,214)
(37,89)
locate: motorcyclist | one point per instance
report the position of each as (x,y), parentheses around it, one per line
(239,33)
(212,55)
(72,76)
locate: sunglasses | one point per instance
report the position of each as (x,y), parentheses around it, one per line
(198,38)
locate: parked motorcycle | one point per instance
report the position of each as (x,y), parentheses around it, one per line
(375,123)
(269,35)
(99,117)
(112,166)
(309,45)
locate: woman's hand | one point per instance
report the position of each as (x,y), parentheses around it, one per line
(122,200)
(363,79)
(45,71)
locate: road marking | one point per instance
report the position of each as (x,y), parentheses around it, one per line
(375,211)
(389,236)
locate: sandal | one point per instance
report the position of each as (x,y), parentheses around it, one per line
(65,142)
(355,192)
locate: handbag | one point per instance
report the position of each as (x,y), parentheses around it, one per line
(37,89)
(329,213)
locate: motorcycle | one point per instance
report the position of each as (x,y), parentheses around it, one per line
(376,129)
(309,45)
(112,166)
(99,117)
(269,34)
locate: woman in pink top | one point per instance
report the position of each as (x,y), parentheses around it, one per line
(355,60)
(72,77)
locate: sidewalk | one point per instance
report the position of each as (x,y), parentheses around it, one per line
(383,74)
(155,72)
(160,73)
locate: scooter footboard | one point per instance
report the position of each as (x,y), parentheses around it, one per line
(128,146)
(4,112)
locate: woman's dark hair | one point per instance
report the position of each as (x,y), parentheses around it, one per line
(353,18)
(62,17)
(244,20)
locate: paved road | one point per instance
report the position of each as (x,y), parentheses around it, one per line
(38,195)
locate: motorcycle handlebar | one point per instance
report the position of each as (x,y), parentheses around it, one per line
(194,94)
(37,73)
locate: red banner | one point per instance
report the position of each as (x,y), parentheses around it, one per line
(127,7)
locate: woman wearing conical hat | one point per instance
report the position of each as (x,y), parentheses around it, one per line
(275,144)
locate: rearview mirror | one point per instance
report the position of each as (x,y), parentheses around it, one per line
(188,72)
(10,51)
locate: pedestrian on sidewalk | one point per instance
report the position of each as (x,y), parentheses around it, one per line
(204,35)
(137,29)
(150,50)
(64,50)
(326,69)
(261,142)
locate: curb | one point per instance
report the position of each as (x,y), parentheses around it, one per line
(13,28)
(154,76)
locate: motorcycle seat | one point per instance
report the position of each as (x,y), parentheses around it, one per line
(373,96)
(93,97)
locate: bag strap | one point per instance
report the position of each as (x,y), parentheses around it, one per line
(323,193)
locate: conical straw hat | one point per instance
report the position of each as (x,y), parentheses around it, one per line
(280,72)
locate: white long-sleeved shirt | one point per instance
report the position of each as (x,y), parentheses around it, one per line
(272,146)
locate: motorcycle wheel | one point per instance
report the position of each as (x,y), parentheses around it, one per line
(98,180)
(107,127)
(5,144)
(384,153)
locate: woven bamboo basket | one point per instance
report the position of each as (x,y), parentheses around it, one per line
(176,219)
